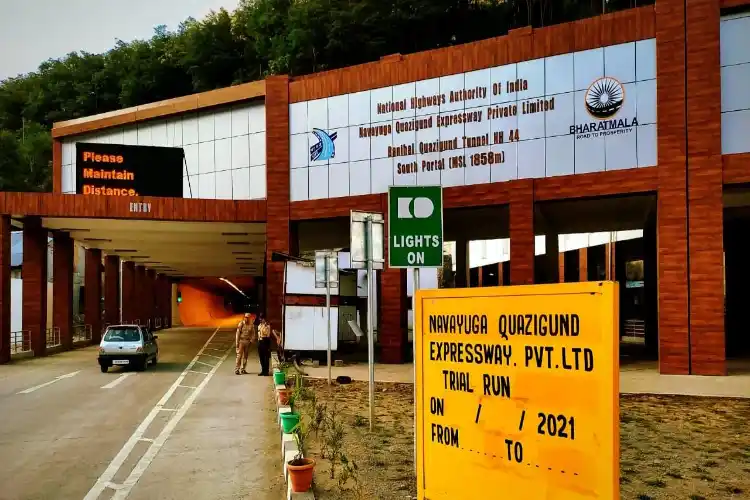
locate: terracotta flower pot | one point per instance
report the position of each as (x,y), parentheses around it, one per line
(284,396)
(301,474)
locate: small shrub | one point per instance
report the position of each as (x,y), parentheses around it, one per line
(360,421)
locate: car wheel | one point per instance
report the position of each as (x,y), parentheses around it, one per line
(155,360)
(141,367)
(104,368)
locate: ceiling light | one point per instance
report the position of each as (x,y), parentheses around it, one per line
(98,239)
(233,286)
(244,243)
(73,229)
(234,234)
(242,253)
(141,257)
(124,250)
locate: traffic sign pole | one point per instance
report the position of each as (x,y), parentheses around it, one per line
(370,320)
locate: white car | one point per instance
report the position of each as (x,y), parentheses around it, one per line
(128,345)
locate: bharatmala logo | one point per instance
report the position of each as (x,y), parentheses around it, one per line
(603,101)
(324,149)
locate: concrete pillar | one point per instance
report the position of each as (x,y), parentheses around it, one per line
(35,284)
(552,258)
(583,264)
(392,326)
(128,292)
(278,196)
(93,293)
(610,261)
(62,288)
(522,234)
(672,211)
(705,186)
(139,291)
(112,289)
(462,263)
(4,289)
(151,295)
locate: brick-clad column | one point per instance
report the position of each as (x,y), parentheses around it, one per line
(393,300)
(112,289)
(4,289)
(705,189)
(500,276)
(583,264)
(139,292)
(128,292)
(168,301)
(522,233)
(151,295)
(672,196)
(34,275)
(277,192)
(93,290)
(462,263)
(561,267)
(62,288)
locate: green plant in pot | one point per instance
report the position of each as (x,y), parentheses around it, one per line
(300,468)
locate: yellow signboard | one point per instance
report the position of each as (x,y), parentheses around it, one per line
(517,392)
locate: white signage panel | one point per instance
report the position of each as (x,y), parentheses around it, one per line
(735,75)
(580,112)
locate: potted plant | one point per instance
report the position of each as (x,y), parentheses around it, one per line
(284,395)
(300,468)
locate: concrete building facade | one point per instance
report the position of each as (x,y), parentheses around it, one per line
(636,120)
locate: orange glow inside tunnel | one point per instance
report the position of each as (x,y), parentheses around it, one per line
(204,305)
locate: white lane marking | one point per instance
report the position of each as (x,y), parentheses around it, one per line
(56,379)
(105,479)
(153,450)
(204,364)
(116,381)
(212,356)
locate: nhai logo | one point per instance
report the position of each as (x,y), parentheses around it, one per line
(324,149)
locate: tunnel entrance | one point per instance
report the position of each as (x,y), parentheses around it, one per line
(157,273)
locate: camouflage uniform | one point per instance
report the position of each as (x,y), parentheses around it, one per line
(243,337)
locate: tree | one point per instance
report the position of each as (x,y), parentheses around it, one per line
(259,38)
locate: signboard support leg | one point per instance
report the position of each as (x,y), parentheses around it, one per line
(328,318)
(370,321)
(414,357)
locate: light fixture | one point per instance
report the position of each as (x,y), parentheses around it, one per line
(124,250)
(234,234)
(233,286)
(98,239)
(242,253)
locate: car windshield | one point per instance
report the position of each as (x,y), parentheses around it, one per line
(122,335)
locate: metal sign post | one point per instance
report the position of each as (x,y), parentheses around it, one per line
(415,240)
(326,276)
(366,246)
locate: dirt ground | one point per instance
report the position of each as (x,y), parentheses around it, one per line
(670,447)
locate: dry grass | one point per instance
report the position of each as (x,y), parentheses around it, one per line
(671,447)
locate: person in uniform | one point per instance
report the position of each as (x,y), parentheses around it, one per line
(243,339)
(264,345)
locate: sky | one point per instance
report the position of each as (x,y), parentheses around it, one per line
(32,31)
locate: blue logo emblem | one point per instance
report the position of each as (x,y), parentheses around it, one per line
(324,149)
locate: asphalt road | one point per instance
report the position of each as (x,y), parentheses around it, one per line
(68,431)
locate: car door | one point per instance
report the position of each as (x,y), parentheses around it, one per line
(148,343)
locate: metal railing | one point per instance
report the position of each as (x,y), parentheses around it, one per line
(157,323)
(20,342)
(81,333)
(148,323)
(634,331)
(53,337)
